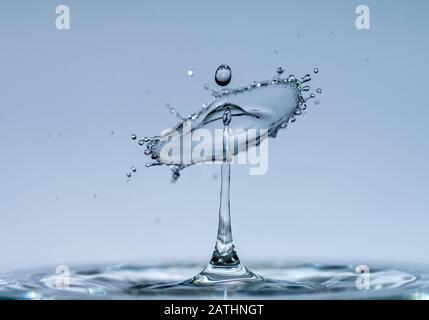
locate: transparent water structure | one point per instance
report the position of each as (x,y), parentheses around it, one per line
(271,105)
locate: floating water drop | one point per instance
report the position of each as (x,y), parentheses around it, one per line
(223,75)
(133,169)
(176,176)
(191,72)
(319,91)
(280,70)
(133,136)
(316,70)
(141,142)
(129,174)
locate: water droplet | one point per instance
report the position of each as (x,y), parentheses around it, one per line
(291,78)
(316,70)
(176,175)
(133,169)
(129,174)
(312,95)
(319,91)
(141,142)
(133,136)
(223,75)
(206,87)
(191,72)
(280,70)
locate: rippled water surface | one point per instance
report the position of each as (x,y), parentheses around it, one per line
(274,281)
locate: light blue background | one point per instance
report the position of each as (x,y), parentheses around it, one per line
(349,182)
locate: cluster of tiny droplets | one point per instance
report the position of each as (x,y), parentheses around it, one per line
(150,143)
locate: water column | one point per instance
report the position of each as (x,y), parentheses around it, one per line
(225,266)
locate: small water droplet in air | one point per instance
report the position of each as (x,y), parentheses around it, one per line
(141,142)
(133,136)
(312,95)
(319,91)
(176,175)
(280,70)
(129,174)
(133,169)
(191,72)
(316,70)
(223,75)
